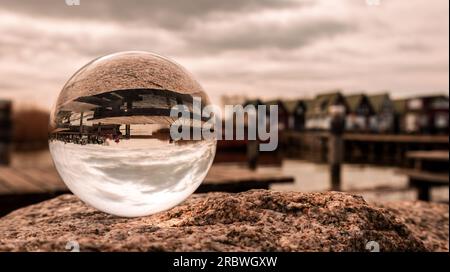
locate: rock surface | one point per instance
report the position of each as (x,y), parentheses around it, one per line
(257,220)
(427,221)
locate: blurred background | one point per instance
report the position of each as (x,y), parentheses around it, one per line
(383,63)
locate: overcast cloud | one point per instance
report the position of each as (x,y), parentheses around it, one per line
(265,48)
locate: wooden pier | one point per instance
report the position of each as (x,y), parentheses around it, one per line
(381,149)
(24,186)
(430,169)
(235,178)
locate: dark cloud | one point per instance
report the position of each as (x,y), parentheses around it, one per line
(187,20)
(269,35)
(250,47)
(170,14)
(414,47)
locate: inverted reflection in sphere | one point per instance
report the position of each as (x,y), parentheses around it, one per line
(110,135)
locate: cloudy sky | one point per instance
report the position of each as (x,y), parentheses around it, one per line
(265,48)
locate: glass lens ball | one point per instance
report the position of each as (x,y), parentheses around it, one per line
(110,139)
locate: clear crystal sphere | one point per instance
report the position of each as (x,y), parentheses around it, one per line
(110,140)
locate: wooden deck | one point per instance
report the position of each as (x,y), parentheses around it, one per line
(437,155)
(29,181)
(232,178)
(20,187)
(367,137)
(394,138)
(229,178)
(426,176)
(422,176)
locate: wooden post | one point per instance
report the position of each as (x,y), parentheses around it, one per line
(418,164)
(5,132)
(424,193)
(385,153)
(399,154)
(81,123)
(324,149)
(336,150)
(423,189)
(252,154)
(127,131)
(371,153)
(128,126)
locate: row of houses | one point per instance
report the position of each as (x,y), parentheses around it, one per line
(364,113)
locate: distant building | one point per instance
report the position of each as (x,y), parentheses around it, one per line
(318,115)
(283,114)
(233,100)
(297,109)
(5,119)
(5,131)
(254,102)
(359,111)
(427,114)
(400,112)
(383,118)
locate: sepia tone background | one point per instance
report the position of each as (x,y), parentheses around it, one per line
(362,91)
(239,51)
(264,48)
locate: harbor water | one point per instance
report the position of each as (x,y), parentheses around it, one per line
(374,183)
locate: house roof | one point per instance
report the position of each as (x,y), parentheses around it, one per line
(322,102)
(353,101)
(400,106)
(273,102)
(291,105)
(377,101)
(430,96)
(329,98)
(254,102)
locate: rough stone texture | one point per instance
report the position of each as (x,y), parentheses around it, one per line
(258,220)
(427,221)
